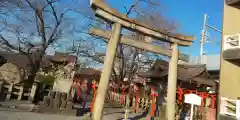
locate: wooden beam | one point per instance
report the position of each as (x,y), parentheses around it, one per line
(135,43)
(106,72)
(109,14)
(10,88)
(20,92)
(32,92)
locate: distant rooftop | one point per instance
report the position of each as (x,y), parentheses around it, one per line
(212,61)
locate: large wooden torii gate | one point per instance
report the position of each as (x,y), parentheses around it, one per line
(120,21)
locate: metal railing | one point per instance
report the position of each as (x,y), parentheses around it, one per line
(230,107)
(232,41)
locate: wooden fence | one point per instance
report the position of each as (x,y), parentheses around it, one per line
(17,91)
(230,107)
(145,103)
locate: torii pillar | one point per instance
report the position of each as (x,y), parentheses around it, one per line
(172,82)
(106,71)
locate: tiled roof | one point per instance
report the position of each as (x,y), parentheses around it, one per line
(186,72)
(23,62)
(89,72)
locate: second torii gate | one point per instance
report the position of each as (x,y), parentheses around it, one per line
(120,21)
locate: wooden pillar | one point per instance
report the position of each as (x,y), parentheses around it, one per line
(1,87)
(10,87)
(72,92)
(106,73)
(172,83)
(20,93)
(32,92)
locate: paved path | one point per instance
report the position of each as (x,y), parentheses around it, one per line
(116,112)
(111,112)
(18,115)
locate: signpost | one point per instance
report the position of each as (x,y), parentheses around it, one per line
(192,99)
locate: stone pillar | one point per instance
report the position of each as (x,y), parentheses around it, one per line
(142,102)
(72,92)
(106,72)
(133,103)
(146,104)
(127,107)
(33,91)
(10,87)
(20,93)
(172,82)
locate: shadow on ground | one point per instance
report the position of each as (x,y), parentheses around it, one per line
(138,117)
(82,111)
(113,113)
(113,107)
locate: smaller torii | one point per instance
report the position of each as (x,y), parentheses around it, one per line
(120,21)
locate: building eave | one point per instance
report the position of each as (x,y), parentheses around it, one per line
(232,2)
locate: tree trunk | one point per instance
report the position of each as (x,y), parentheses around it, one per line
(33,72)
(35,65)
(31,77)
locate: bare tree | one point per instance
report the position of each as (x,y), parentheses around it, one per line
(137,60)
(30,27)
(86,52)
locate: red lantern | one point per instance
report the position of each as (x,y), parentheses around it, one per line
(154,94)
(180,94)
(136,100)
(203,95)
(94,95)
(122,97)
(213,101)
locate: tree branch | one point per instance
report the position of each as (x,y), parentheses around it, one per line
(53,10)
(6,43)
(39,14)
(51,38)
(30,4)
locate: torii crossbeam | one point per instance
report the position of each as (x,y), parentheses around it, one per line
(120,21)
(136,43)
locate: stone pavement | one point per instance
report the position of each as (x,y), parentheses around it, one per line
(23,105)
(18,115)
(111,112)
(116,112)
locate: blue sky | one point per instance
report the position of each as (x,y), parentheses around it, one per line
(189,15)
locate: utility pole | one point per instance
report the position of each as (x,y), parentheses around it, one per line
(203,40)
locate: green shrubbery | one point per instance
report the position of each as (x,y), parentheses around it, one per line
(45,79)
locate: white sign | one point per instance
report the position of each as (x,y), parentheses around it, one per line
(192,99)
